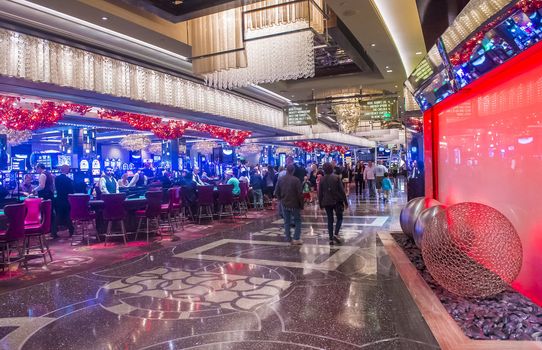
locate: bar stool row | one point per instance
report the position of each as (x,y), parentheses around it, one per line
(29,223)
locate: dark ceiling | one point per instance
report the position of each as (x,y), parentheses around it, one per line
(436,16)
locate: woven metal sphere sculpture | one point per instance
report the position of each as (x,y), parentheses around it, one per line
(423,221)
(472,250)
(410,213)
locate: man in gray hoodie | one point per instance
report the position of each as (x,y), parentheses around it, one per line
(288,191)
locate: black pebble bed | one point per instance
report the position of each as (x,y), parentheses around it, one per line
(506,316)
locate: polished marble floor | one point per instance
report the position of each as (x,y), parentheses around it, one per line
(243,288)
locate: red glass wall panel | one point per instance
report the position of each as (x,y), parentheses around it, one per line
(486,147)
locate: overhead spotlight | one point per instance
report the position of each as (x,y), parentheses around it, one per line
(418,53)
(389,71)
(104,18)
(373,45)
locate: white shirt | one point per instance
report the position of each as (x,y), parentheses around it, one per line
(380,170)
(103,187)
(197,180)
(41,182)
(369,173)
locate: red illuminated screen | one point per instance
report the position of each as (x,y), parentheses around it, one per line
(490,151)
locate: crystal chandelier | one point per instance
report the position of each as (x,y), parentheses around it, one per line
(285,150)
(135,142)
(267,41)
(274,58)
(250,148)
(204,147)
(15,137)
(155,148)
(348,115)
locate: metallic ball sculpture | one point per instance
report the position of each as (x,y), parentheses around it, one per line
(410,213)
(423,221)
(472,250)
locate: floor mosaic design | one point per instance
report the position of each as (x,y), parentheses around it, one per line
(244,288)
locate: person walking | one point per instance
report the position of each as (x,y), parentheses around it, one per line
(386,187)
(46,190)
(358,178)
(369,177)
(288,192)
(332,198)
(257,184)
(380,170)
(345,176)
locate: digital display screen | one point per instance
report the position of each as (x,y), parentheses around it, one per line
(422,73)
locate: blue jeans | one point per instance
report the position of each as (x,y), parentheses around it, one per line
(288,213)
(371,185)
(258,198)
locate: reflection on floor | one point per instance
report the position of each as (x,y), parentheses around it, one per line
(242,288)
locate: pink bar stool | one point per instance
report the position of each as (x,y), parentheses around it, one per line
(37,233)
(206,202)
(151,214)
(33,214)
(225,201)
(81,216)
(114,211)
(13,236)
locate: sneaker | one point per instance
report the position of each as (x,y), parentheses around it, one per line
(337,239)
(331,242)
(288,239)
(297,242)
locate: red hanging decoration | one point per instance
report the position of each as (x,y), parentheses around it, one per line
(47,114)
(308,146)
(233,137)
(170,130)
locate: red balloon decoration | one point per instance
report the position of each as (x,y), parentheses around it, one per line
(170,130)
(47,113)
(308,146)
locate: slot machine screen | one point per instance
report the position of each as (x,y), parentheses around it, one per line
(45,159)
(83,165)
(96,169)
(3,152)
(227,156)
(64,160)
(282,159)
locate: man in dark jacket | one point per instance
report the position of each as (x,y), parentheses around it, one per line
(288,192)
(332,197)
(64,187)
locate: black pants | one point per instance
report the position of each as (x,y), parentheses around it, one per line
(339,208)
(61,217)
(359,186)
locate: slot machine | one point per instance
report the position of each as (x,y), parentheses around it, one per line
(96,169)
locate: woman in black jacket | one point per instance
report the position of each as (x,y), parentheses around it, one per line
(332,197)
(358,178)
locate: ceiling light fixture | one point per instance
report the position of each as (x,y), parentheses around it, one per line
(269,92)
(389,71)
(373,45)
(104,18)
(269,43)
(418,53)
